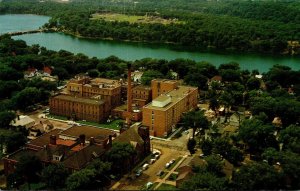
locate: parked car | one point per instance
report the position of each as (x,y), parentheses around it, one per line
(186,132)
(168,165)
(159,173)
(172,161)
(148,185)
(151,161)
(145,166)
(201,155)
(139,173)
(156,156)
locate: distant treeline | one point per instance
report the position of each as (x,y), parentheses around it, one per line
(263,27)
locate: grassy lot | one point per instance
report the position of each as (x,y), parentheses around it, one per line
(176,161)
(34,186)
(167,187)
(134,18)
(112,125)
(172,177)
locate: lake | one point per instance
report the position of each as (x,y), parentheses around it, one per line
(133,50)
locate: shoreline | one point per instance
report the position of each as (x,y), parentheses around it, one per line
(186,47)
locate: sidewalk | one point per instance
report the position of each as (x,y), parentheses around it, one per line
(164,180)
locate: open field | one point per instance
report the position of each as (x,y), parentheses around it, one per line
(135,18)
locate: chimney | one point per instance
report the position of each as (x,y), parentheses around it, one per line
(53,140)
(129,95)
(92,140)
(18,116)
(82,139)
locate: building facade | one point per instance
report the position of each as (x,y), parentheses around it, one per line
(100,88)
(141,95)
(162,86)
(79,108)
(165,111)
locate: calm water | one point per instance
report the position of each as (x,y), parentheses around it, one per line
(133,51)
(13,23)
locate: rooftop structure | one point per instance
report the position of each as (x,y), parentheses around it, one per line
(164,112)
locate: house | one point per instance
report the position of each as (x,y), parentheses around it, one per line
(24,121)
(236,119)
(43,126)
(277,122)
(74,147)
(136,76)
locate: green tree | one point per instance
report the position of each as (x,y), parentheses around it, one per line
(195,120)
(257,135)
(150,75)
(121,156)
(206,147)
(191,145)
(290,137)
(28,167)
(5,118)
(253,84)
(101,169)
(82,180)
(205,181)
(257,176)
(214,165)
(26,97)
(55,176)
(93,73)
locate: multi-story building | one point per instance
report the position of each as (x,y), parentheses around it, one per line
(162,86)
(164,112)
(104,89)
(79,108)
(141,95)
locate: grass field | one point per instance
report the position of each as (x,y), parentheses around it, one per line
(134,18)
(112,125)
(167,187)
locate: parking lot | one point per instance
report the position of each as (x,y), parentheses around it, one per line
(168,151)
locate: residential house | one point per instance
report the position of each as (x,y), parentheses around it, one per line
(236,119)
(74,147)
(23,121)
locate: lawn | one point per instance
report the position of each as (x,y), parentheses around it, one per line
(167,187)
(134,18)
(112,125)
(176,161)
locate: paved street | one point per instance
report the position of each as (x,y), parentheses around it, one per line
(170,149)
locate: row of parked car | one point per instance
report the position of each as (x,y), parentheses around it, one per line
(155,156)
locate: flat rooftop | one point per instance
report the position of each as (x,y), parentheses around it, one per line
(80,99)
(141,87)
(107,83)
(175,95)
(166,81)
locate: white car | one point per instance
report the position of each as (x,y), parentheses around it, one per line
(145,166)
(168,165)
(151,161)
(172,161)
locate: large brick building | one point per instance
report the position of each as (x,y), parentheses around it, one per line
(164,112)
(79,108)
(162,86)
(104,89)
(87,99)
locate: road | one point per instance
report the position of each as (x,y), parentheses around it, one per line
(170,149)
